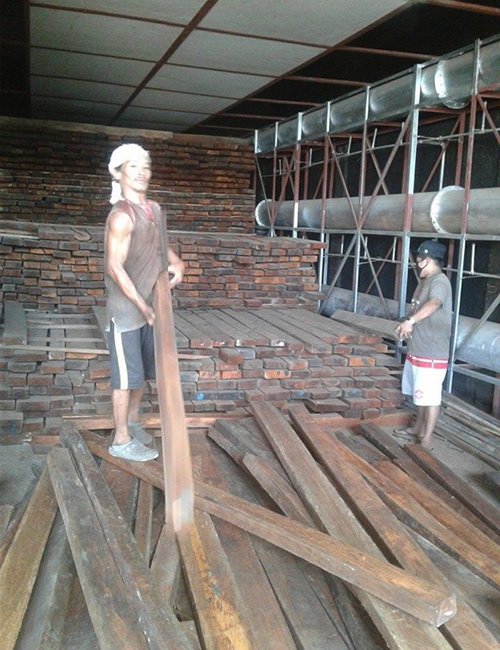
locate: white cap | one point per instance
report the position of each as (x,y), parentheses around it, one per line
(121,155)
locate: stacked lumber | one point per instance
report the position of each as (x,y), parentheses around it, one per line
(57,365)
(283,354)
(337,551)
(471,429)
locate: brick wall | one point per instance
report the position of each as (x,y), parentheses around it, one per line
(52,173)
(61,267)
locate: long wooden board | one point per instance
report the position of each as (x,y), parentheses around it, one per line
(221,617)
(440,511)
(106,595)
(407,509)
(373,575)
(330,512)
(162,626)
(15,330)
(20,566)
(459,488)
(465,629)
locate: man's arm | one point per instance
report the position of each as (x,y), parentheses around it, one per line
(119,232)
(405,328)
(175,267)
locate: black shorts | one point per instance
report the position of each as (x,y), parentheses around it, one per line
(131,357)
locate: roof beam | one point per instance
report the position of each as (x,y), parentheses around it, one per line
(396,53)
(465,6)
(326,80)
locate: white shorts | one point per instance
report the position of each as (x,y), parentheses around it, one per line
(423,379)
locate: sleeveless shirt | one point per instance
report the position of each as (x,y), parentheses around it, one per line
(143,265)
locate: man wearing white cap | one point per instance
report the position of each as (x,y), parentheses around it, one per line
(132,264)
(428,331)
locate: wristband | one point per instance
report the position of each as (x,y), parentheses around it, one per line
(411,321)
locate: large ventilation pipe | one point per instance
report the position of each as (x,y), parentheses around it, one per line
(433,212)
(444,82)
(482,349)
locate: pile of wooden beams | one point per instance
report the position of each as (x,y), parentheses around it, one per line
(305,536)
(53,365)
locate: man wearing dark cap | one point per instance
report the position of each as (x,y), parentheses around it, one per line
(427,330)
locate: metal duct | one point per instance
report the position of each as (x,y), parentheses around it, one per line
(482,350)
(448,82)
(433,212)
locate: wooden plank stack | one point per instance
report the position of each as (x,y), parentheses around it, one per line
(338,552)
(229,358)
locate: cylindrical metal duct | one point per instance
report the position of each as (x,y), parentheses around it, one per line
(433,212)
(448,82)
(482,349)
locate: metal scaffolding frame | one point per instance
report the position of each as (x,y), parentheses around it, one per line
(315,168)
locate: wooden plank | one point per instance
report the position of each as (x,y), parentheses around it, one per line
(86,353)
(15,520)
(43,623)
(144,519)
(465,629)
(15,330)
(343,333)
(480,596)
(278,488)
(243,336)
(148,420)
(123,487)
(162,627)
(196,338)
(381,326)
(359,446)
(459,488)
(382,440)
(20,566)
(311,342)
(215,334)
(275,335)
(166,566)
(406,508)
(107,597)
(291,505)
(371,574)
(221,618)
(300,413)
(175,443)
(440,511)
(6,510)
(332,405)
(56,337)
(416,472)
(306,604)
(330,512)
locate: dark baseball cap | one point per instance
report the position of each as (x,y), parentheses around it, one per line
(431,248)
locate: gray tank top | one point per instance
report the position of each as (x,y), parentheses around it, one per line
(143,265)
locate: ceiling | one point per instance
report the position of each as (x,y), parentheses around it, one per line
(216,67)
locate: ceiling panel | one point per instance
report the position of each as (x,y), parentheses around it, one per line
(174,11)
(323,22)
(180,101)
(73,107)
(88,67)
(71,89)
(157,126)
(93,34)
(235,68)
(241,54)
(207,82)
(161,116)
